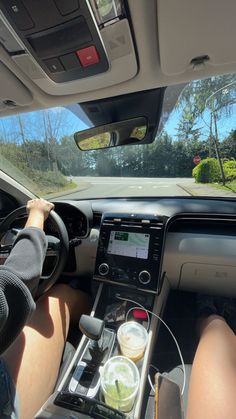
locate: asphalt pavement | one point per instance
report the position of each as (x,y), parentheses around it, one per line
(92,187)
(99,187)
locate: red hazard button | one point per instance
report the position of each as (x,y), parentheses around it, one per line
(88,56)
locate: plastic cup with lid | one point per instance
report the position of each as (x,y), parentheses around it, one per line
(132,338)
(120,383)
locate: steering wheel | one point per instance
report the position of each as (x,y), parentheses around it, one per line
(57,247)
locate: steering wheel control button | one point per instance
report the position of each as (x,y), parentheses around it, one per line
(88,56)
(103,269)
(144,277)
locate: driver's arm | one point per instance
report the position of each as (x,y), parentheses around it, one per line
(27,256)
(20,274)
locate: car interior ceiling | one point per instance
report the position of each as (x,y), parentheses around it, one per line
(117,66)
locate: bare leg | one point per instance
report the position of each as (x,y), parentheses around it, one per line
(213,378)
(34,358)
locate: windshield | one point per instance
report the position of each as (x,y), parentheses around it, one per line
(193,153)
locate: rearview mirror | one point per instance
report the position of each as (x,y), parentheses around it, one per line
(131,131)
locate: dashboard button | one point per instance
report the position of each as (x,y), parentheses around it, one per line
(70,61)
(103,269)
(144,277)
(88,56)
(54,65)
(19,14)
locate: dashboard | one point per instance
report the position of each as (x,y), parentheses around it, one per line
(199,240)
(76,221)
(199,250)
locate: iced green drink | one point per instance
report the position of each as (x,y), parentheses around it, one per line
(120,383)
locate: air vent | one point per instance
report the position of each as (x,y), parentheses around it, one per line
(204,225)
(138,221)
(97,217)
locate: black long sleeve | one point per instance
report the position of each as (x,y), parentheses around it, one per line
(19,278)
(27,256)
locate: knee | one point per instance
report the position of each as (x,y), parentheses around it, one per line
(75,299)
(60,291)
(214,322)
(216,319)
(56,298)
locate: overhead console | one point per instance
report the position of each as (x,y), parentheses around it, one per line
(63,41)
(61,35)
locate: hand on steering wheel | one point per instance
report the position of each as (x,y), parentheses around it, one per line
(57,246)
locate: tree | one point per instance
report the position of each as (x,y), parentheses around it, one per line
(186,129)
(160,159)
(215,94)
(54,122)
(198,92)
(228,146)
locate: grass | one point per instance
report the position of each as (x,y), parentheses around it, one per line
(229,186)
(49,182)
(49,190)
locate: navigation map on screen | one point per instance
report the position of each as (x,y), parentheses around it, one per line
(134,245)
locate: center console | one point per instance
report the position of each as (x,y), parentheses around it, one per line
(127,273)
(130,251)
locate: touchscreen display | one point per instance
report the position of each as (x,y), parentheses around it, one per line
(134,245)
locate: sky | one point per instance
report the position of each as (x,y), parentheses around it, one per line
(67,121)
(62,120)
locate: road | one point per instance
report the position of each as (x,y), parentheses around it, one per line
(92,187)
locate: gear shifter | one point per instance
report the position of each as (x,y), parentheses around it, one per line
(92,328)
(86,377)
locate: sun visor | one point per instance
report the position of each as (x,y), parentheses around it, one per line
(13,93)
(195,33)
